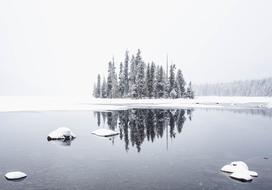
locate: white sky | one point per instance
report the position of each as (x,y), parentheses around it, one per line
(58,47)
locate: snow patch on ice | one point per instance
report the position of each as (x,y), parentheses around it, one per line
(105,132)
(15,175)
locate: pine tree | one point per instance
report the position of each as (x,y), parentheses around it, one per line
(109,81)
(140,79)
(159,82)
(163,73)
(190,93)
(114,81)
(151,85)
(181,84)
(98,87)
(104,89)
(177,87)
(138,58)
(121,86)
(138,76)
(172,78)
(166,85)
(173,93)
(125,77)
(132,78)
(147,76)
(156,78)
(149,82)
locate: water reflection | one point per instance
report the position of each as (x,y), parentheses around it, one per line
(62,142)
(265,112)
(137,125)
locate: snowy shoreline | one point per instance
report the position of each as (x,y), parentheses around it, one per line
(46,103)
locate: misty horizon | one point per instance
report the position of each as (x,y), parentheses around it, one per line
(57,48)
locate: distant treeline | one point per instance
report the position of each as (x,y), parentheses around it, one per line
(261,87)
(137,79)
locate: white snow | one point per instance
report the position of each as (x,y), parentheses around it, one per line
(253,174)
(234,166)
(239,170)
(61,133)
(269,105)
(104,132)
(241,175)
(15,175)
(45,103)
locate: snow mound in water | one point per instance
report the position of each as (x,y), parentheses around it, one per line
(104,132)
(15,175)
(241,175)
(239,170)
(61,133)
(234,166)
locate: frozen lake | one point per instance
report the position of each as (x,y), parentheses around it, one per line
(156,149)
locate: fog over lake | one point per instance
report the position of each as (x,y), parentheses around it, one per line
(58,47)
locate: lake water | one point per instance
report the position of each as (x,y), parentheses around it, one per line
(156,149)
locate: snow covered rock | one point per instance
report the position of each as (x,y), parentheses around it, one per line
(15,175)
(240,164)
(61,133)
(239,170)
(253,174)
(241,175)
(105,132)
(234,166)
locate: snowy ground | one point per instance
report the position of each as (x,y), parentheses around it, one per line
(41,103)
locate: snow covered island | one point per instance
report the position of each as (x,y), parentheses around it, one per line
(139,79)
(44,103)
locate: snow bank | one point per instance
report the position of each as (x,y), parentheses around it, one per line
(15,175)
(41,103)
(239,170)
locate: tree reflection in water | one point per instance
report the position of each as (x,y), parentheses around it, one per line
(136,125)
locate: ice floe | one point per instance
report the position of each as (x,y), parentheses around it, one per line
(239,170)
(61,133)
(105,132)
(15,175)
